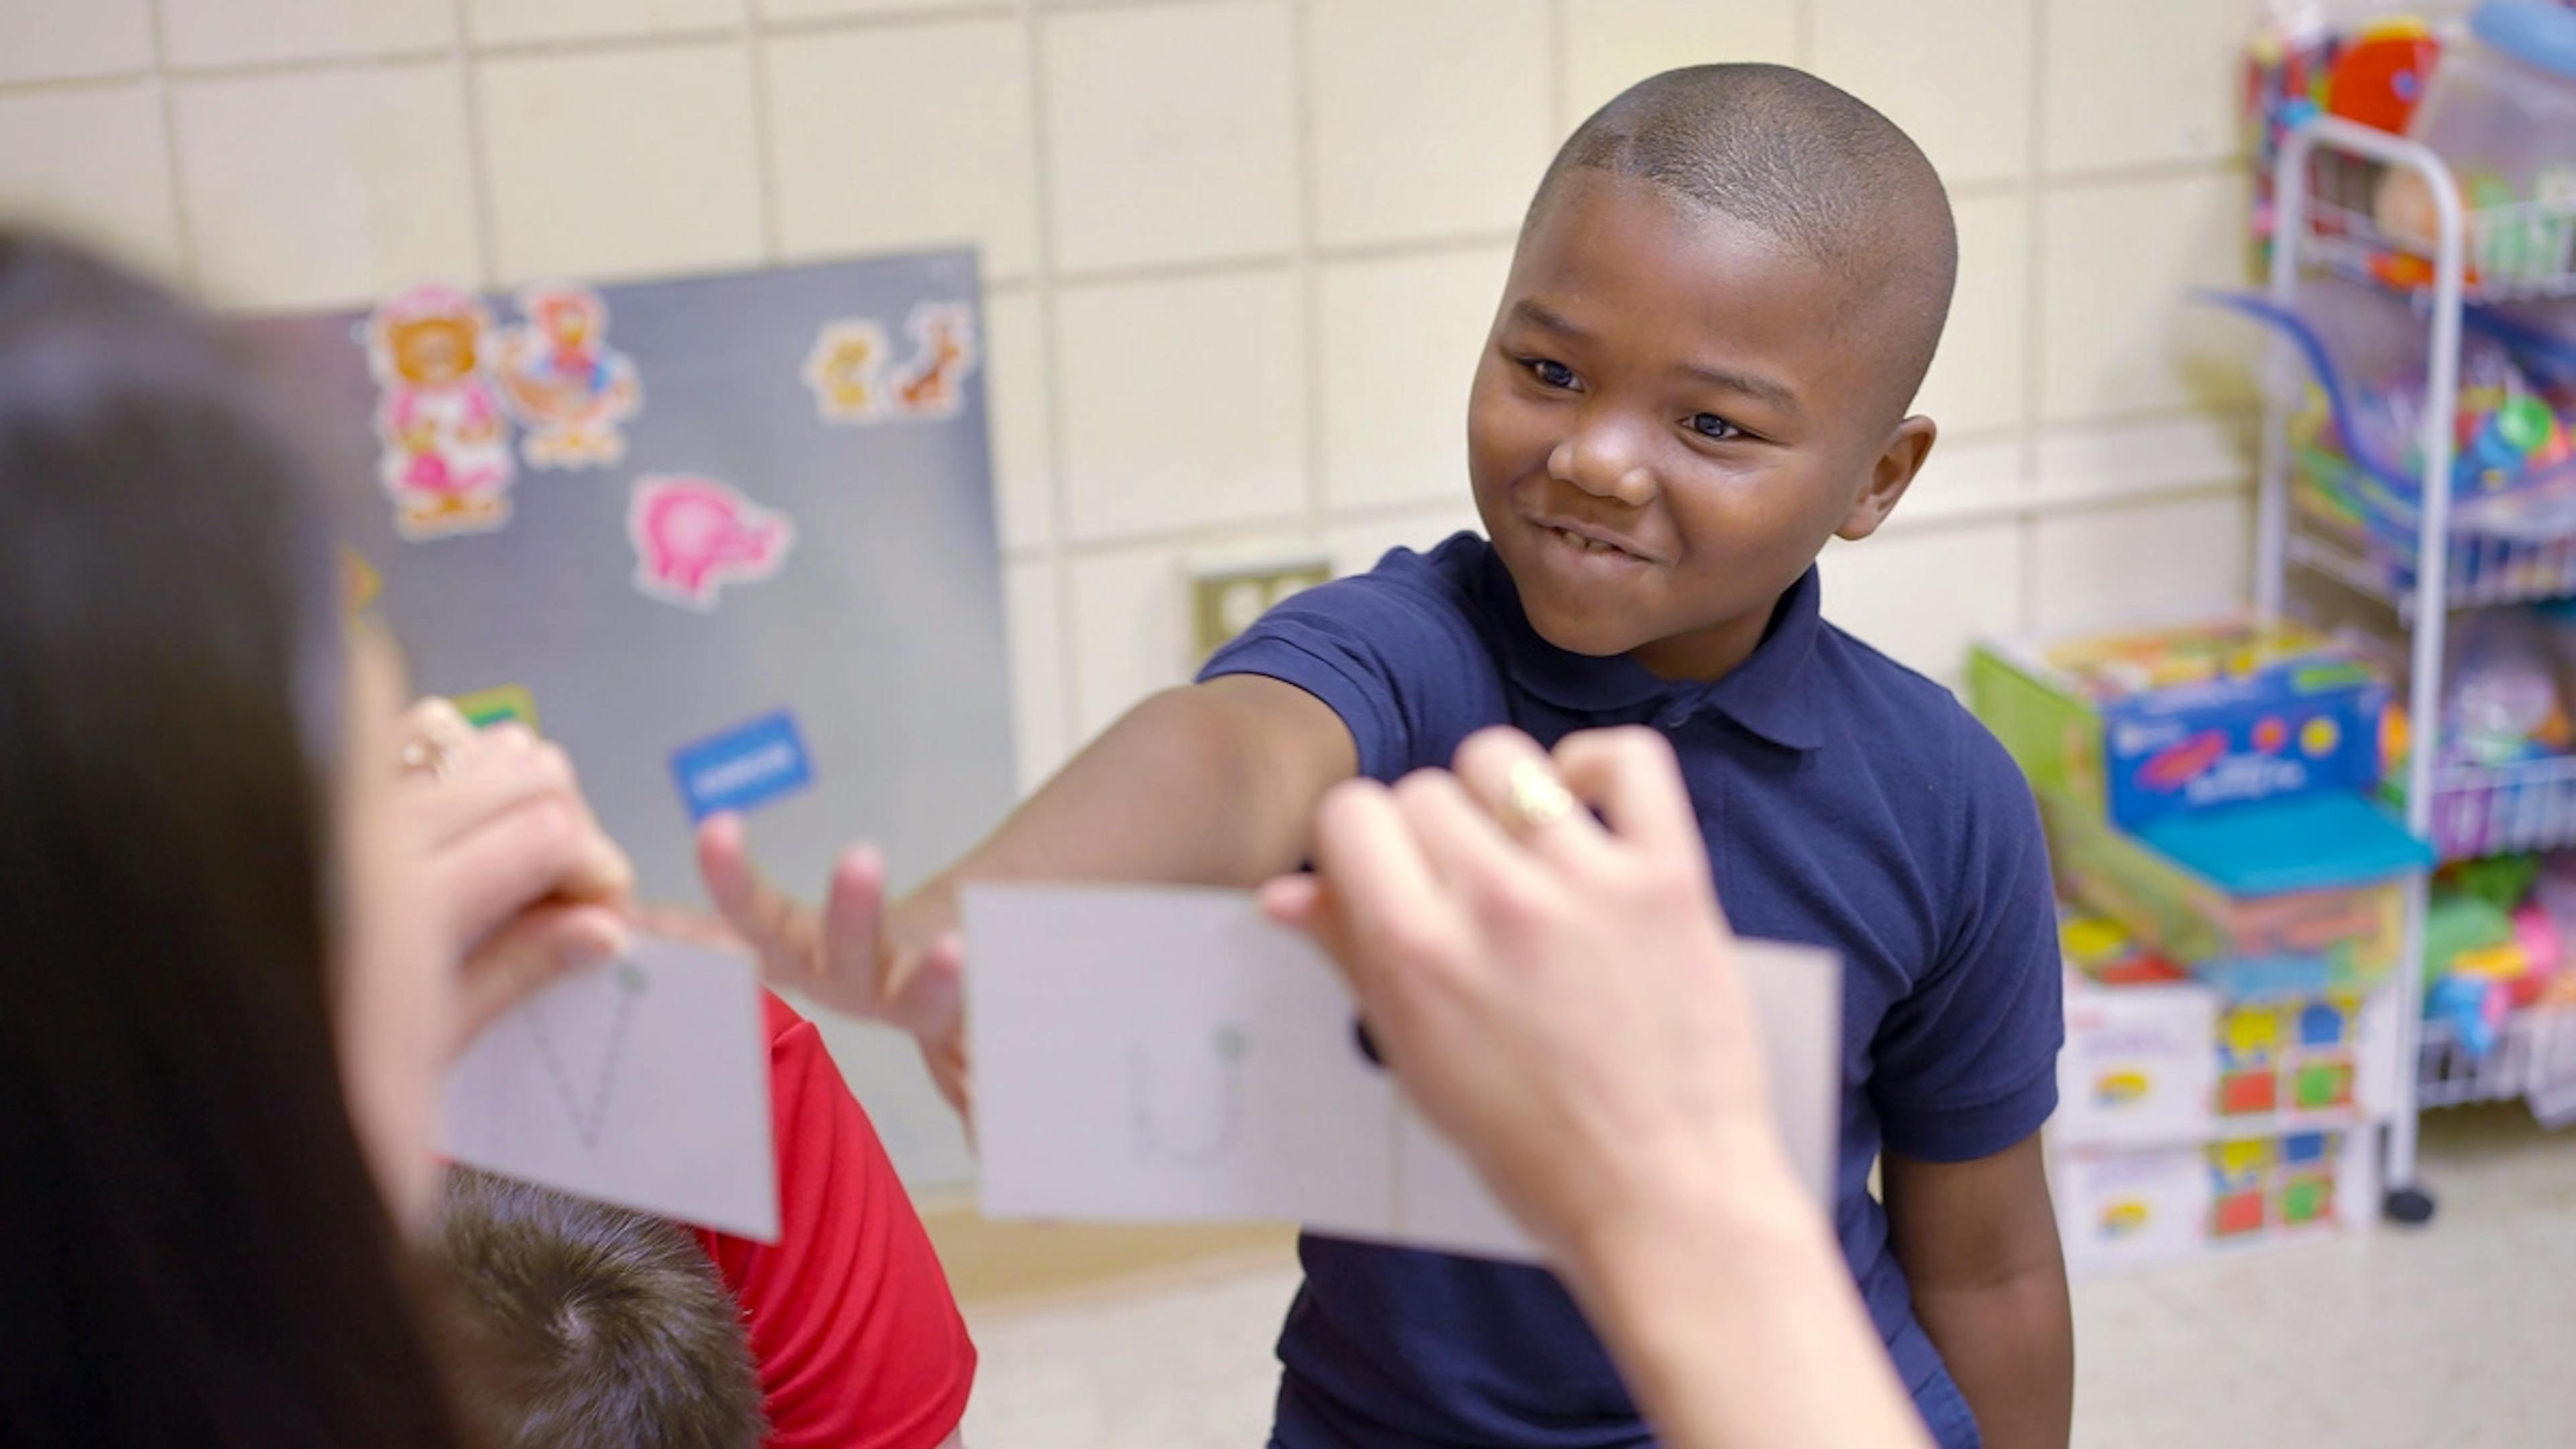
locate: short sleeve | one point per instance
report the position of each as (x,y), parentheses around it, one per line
(1393,651)
(1966,1065)
(859,1341)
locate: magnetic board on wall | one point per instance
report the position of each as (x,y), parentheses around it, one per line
(671,512)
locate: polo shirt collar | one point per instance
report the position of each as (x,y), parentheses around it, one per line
(1766,695)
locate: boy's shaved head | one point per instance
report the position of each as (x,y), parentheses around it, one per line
(1808,164)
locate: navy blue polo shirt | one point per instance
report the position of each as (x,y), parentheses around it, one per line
(1849,803)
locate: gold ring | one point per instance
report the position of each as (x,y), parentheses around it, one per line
(1534,797)
(434,752)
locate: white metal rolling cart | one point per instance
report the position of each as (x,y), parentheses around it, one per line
(2465,811)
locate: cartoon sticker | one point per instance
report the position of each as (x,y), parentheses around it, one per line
(845,369)
(692,536)
(562,381)
(488,707)
(446,454)
(750,764)
(933,383)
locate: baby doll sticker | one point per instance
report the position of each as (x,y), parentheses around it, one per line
(692,536)
(560,379)
(446,456)
(845,368)
(932,384)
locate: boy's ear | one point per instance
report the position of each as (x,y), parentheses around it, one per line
(1889,477)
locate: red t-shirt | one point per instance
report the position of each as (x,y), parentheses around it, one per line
(858,1339)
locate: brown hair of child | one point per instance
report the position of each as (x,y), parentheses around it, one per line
(583,1326)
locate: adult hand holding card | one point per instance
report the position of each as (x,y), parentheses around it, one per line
(643,1083)
(1166,1054)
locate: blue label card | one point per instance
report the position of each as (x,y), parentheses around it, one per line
(748,765)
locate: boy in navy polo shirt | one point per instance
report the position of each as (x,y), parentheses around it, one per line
(1725,296)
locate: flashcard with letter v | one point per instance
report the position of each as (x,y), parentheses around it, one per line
(643,1083)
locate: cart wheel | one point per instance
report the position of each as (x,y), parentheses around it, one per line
(2412,1206)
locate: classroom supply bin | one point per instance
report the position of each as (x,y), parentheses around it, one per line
(2258,901)
(2126,1208)
(2143,724)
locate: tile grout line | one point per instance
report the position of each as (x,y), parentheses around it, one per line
(2034,298)
(764,136)
(478,161)
(1310,287)
(1045,293)
(182,219)
(1560,81)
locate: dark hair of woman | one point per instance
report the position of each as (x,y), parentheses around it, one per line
(192,1248)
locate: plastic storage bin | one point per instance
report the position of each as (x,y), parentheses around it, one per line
(2501,110)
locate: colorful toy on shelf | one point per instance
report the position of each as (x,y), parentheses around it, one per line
(2499,110)
(2130,1207)
(2364,407)
(2157,1060)
(2108,954)
(2501,702)
(2381,76)
(2143,724)
(2297,896)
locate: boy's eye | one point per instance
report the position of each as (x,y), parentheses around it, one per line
(1554,374)
(1714,428)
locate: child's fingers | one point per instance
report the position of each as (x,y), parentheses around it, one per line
(930,999)
(1385,900)
(788,936)
(1292,901)
(854,918)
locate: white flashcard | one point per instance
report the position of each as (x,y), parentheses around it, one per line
(644,1083)
(1170,1055)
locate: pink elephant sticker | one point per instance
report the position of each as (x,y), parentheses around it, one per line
(694,535)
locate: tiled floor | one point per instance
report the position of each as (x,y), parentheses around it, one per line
(2460,1335)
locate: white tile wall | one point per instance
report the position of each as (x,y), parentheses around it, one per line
(1184,404)
(1130,631)
(326,187)
(936,114)
(2130,84)
(113,190)
(494,22)
(1171,130)
(1954,73)
(621,163)
(1430,117)
(1035,622)
(1401,338)
(68,39)
(1015,373)
(2116,260)
(1245,250)
(1900,591)
(1979,379)
(244,32)
(1610,45)
(2142,562)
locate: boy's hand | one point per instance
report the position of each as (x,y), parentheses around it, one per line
(904,968)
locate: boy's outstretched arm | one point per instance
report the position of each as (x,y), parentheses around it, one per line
(1208,784)
(1978,1241)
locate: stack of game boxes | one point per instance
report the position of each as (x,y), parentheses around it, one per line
(2236,910)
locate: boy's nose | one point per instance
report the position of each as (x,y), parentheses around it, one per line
(1604,464)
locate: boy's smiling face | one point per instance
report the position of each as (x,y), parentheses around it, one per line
(1673,414)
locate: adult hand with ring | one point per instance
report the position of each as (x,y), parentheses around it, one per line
(526,886)
(1558,994)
